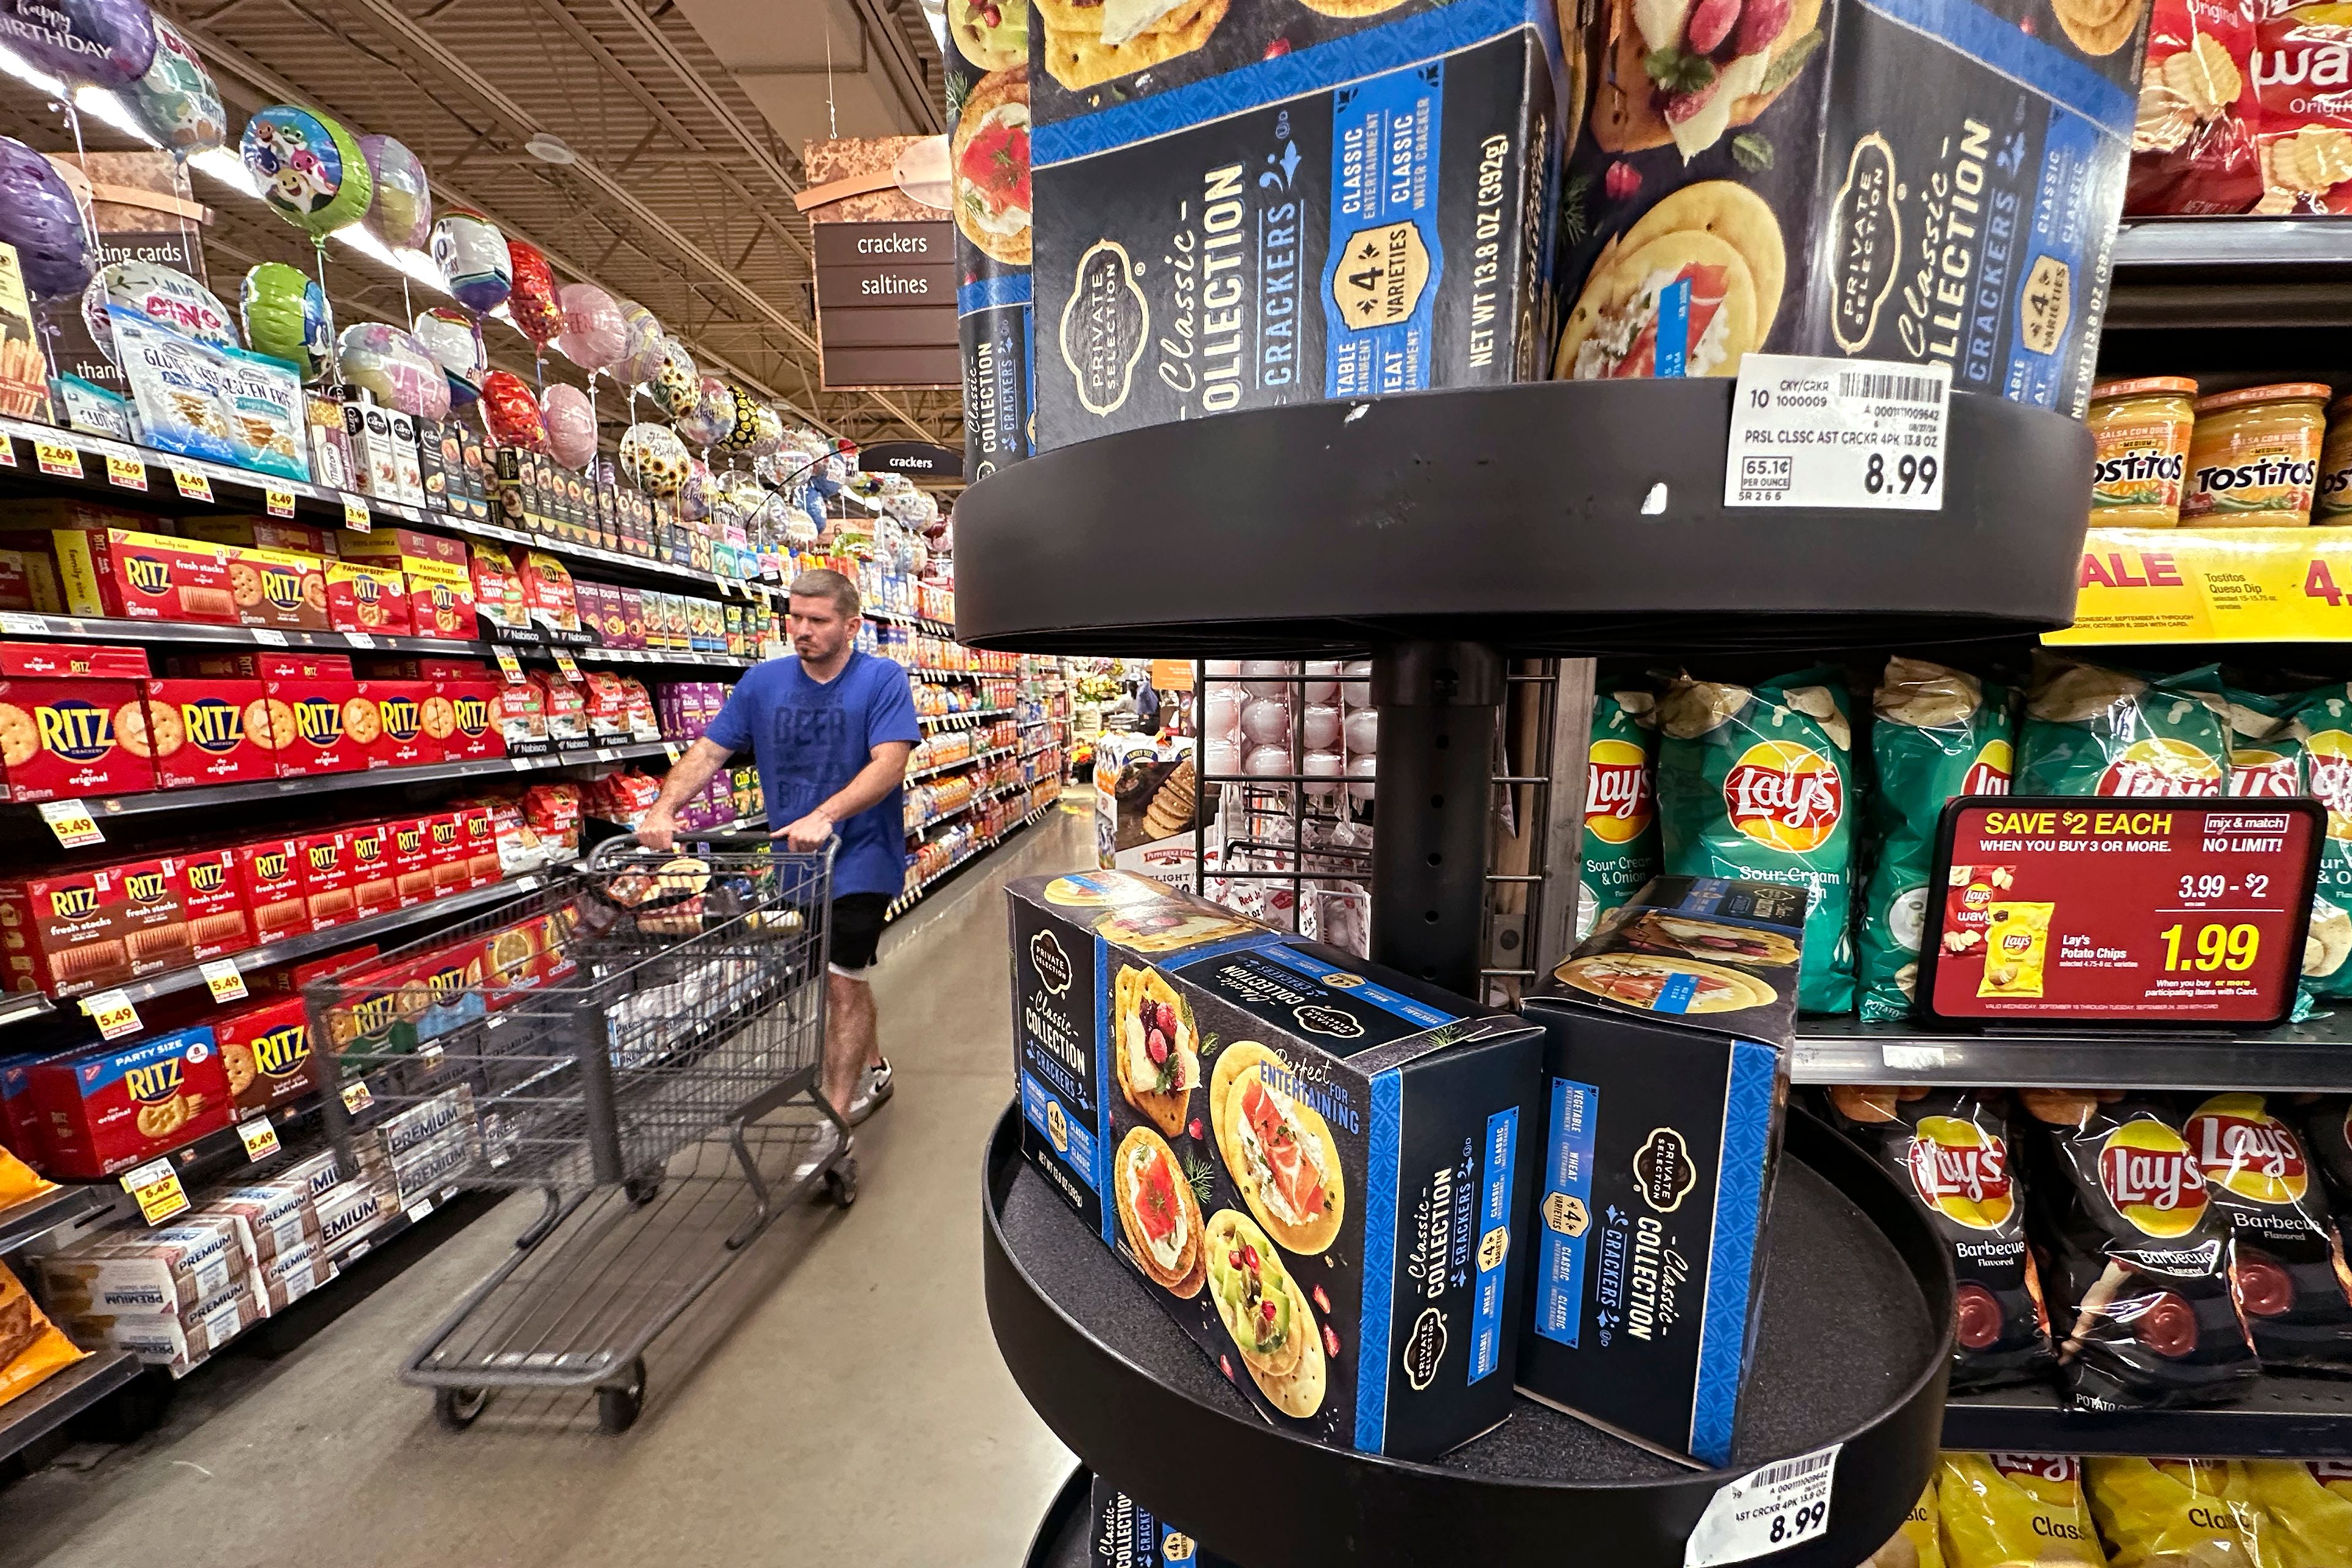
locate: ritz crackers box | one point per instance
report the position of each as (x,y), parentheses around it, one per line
(111,1108)
(1311,1164)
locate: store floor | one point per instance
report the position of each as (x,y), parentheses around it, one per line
(836,1399)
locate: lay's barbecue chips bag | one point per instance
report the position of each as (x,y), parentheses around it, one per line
(1939,733)
(2002,1509)
(1755,783)
(2090,731)
(1621,803)
(2326,720)
(2294,1291)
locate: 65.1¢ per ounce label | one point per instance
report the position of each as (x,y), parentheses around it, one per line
(1823,432)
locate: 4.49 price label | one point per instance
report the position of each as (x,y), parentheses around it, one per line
(1819,432)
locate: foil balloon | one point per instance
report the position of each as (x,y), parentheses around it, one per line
(392,366)
(286,317)
(767,431)
(594,332)
(511,412)
(641,361)
(677,386)
(402,213)
(111,43)
(743,422)
(712,416)
(696,495)
(39,217)
(177,100)
(164,295)
(570,421)
(656,460)
(455,342)
(533,302)
(310,169)
(473,255)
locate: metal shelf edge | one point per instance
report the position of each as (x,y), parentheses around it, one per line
(50,1405)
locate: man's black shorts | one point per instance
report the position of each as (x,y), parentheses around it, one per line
(857,930)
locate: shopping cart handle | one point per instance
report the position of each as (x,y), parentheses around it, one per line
(612,852)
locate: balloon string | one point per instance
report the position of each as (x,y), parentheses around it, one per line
(407,305)
(334,361)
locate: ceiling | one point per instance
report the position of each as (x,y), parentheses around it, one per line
(686,116)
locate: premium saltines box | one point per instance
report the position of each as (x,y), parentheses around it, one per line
(1312,1164)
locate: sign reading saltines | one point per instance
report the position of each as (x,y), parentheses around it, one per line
(886,268)
(2165,911)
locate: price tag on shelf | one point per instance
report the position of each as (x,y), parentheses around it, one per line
(156,1188)
(269,635)
(359,639)
(71,822)
(356,516)
(193,485)
(429,1053)
(606,754)
(17,623)
(356,1096)
(223,978)
(669,750)
(563,662)
(260,1138)
(112,1013)
(1765,1512)
(508,665)
(280,502)
(126,473)
(422,1209)
(1817,432)
(8,452)
(520,764)
(58,459)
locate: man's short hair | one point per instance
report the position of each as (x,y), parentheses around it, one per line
(823,583)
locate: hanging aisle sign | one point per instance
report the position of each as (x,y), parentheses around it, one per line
(886,268)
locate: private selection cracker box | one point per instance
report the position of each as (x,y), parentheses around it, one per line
(1312,1164)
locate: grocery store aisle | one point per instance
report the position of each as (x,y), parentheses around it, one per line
(835,1398)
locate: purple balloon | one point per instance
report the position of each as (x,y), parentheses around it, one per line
(109,42)
(40,217)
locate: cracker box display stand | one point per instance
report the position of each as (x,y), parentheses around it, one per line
(1311,1164)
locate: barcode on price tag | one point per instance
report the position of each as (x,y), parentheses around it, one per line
(1819,432)
(1765,1511)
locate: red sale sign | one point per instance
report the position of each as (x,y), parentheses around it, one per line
(2179,910)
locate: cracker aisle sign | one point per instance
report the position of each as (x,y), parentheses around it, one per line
(886,264)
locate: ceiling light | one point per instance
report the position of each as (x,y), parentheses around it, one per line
(549,147)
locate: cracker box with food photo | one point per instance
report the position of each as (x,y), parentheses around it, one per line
(276,587)
(63,708)
(323,860)
(365,598)
(1664,1079)
(1889,180)
(213,904)
(413,722)
(411,858)
(1311,1164)
(178,1343)
(111,1108)
(269,874)
(1144,812)
(207,732)
(162,1272)
(128,576)
(334,728)
(152,923)
(1238,207)
(375,889)
(265,1053)
(62,931)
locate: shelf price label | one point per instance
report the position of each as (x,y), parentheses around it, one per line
(510,666)
(193,485)
(59,460)
(1819,432)
(113,1014)
(223,978)
(669,750)
(1765,1512)
(126,473)
(356,516)
(156,1188)
(260,1137)
(563,662)
(280,502)
(356,1096)
(70,821)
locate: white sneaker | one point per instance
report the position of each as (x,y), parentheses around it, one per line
(818,1153)
(874,1086)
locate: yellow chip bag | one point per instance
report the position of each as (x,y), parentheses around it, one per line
(2306,1510)
(1915,1545)
(2000,1509)
(2177,1513)
(17,1182)
(31,1347)
(2017,948)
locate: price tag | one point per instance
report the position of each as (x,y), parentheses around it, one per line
(260,1138)
(606,754)
(280,502)
(669,750)
(268,635)
(126,473)
(8,452)
(359,639)
(112,1013)
(420,1209)
(1817,432)
(17,623)
(429,1053)
(356,1096)
(156,1188)
(70,821)
(564,663)
(223,978)
(59,460)
(520,764)
(193,485)
(356,516)
(1765,1512)
(508,665)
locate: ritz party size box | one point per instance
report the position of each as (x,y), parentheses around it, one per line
(1664,1081)
(1311,1163)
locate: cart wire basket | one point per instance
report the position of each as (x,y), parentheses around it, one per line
(627,1040)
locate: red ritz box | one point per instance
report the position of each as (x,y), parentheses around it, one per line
(413,722)
(210,733)
(335,727)
(152,923)
(376,889)
(63,933)
(268,874)
(71,723)
(324,860)
(474,710)
(139,576)
(411,858)
(265,1054)
(441,609)
(114,1108)
(367,599)
(211,901)
(479,827)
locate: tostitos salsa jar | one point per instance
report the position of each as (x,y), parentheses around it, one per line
(2141,430)
(2253,462)
(2334,505)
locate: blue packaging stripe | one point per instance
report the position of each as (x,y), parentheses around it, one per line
(1101,1146)
(2000,46)
(1673,338)
(1372,52)
(1738,1208)
(1674,995)
(1560,1281)
(1494,1213)
(1034,1097)
(1383,1153)
(1379,996)
(1386,137)
(988,293)
(2070,153)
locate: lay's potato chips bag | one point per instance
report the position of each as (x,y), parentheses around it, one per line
(1917,1544)
(2325,718)
(2177,1513)
(2090,731)
(1621,803)
(2002,1509)
(2306,1509)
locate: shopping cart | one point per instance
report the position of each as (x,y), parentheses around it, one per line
(626,1040)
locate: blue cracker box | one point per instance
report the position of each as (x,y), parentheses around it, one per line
(1242,204)
(1126,1534)
(1313,1165)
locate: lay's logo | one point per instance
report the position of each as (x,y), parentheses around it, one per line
(282,588)
(2260,771)
(149,1085)
(148,574)
(73,903)
(2056,1467)
(1961,1172)
(1785,796)
(473,716)
(1619,799)
(2330,753)
(271,864)
(319,720)
(400,718)
(213,725)
(2242,1147)
(282,1051)
(2158,766)
(144,886)
(78,731)
(1990,773)
(206,875)
(2152,1178)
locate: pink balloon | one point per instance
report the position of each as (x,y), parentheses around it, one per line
(571,424)
(595,332)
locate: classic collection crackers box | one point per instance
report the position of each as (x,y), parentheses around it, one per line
(1665,1078)
(1313,1165)
(1242,206)
(1896,179)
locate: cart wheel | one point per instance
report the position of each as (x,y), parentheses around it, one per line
(642,1190)
(617,1408)
(457,1407)
(841,1184)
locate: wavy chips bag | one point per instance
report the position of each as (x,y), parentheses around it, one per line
(2303,132)
(2003,1510)
(2091,731)
(1940,732)
(2325,720)
(1917,1544)
(1621,803)
(2193,146)
(1757,783)
(2177,1513)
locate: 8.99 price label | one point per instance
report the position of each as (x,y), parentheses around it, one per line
(1819,432)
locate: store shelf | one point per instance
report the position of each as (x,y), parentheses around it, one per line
(2311,1057)
(913,895)
(2244,245)
(2281,1417)
(953,812)
(968,716)
(23,1224)
(957,763)
(30,1417)
(1564,517)
(1850,1350)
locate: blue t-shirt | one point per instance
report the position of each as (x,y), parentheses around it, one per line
(811,738)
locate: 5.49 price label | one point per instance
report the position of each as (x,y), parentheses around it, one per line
(1819,432)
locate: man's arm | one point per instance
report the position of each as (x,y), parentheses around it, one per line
(885,767)
(658,828)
